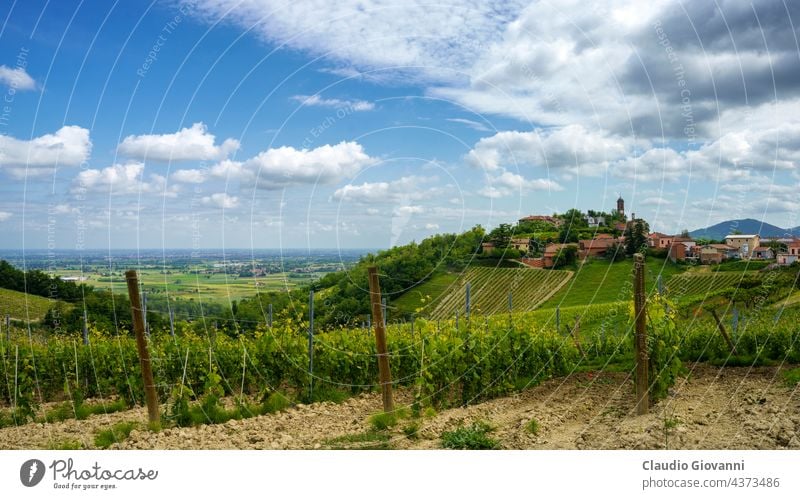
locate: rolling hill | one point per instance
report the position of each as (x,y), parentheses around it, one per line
(745,226)
(23,306)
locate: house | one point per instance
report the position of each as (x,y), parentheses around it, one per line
(595,222)
(716,253)
(653,239)
(744,243)
(620,226)
(522,244)
(597,246)
(763,253)
(550,252)
(681,248)
(542,218)
(487,247)
(792,254)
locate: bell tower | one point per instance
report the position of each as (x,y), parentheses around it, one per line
(621,206)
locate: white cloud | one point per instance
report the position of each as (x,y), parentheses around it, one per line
(69,146)
(403,189)
(122,179)
(221,200)
(189,176)
(188,144)
(16,78)
(5,215)
(287,166)
(432,226)
(508,184)
(573,148)
(316,100)
(475,125)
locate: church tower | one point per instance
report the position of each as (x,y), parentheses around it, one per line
(621,206)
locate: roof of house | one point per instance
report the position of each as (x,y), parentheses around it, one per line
(746,236)
(553,248)
(604,236)
(597,243)
(657,234)
(720,247)
(680,239)
(763,248)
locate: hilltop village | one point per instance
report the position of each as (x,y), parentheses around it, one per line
(553,241)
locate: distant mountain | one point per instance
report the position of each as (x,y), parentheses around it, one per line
(745,226)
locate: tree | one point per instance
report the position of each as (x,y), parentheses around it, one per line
(685,233)
(636,236)
(501,236)
(567,255)
(615,252)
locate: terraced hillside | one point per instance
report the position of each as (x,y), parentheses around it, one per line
(489,288)
(22,305)
(696,284)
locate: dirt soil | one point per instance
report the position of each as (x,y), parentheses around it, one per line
(712,408)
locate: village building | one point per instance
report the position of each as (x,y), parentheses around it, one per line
(521,244)
(595,222)
(716,253)
(763,253)
(745,244)
(792,254)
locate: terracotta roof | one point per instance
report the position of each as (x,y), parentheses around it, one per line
(763,248)
(721,247)
(747,236)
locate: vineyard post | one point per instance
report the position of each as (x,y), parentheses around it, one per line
(723,332)
(8,327)
(310,345)
(412,326)
(369,321)
(660,285)
(144,313)
(456,319)
(171,322)
(510,310)
(640,310)
(141,346)
(380,340)
(269,320)
(383,310)
(735,324)
(85,328)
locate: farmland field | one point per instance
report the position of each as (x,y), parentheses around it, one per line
(490,287)
(23,306)
(699,284)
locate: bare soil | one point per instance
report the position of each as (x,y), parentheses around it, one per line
(711,408)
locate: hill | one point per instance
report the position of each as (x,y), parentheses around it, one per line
(23,306)
(745,226)
(489,289)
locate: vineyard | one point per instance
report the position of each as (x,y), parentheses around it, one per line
(22,306)
(490,288)
(699,285)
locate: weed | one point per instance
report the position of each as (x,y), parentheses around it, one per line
(67,444)
(275,402)
(385,420)
(412,430)
(473,437)
(792,377)
(533,427)
(119,432)
(369,440)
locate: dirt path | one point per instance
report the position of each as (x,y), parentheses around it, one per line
(730,408)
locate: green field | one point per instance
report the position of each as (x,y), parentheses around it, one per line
(599,281)
(23,306)
(218,287)
(698,284)
(489,289)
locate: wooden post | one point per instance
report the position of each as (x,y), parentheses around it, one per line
(735,325)
(574,332)
(171,322)
(310,345)
(383,310)
(380,341)
(141,346)
(642,357)
(144,314)
(85,328)
(723,332)
(558,318)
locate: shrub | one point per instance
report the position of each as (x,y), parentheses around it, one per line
(473,437)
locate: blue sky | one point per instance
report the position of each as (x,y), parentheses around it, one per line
(257,123)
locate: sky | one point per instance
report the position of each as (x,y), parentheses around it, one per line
(365,124)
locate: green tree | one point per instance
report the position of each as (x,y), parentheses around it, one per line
(636,236)
(501,236)
(567,255)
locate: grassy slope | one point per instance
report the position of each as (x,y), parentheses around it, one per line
(434,287)
(22,306)
(603,282)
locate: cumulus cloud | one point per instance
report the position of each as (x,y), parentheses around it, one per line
(69,146)
(572,147)
(189,176)
(5,215)
(221,200)
(16,78)
(188,144)
(122,179)
(318,101)
(286,166)
(406,188)
(508,184)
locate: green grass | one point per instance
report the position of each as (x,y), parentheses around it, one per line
(369,440)
(23,306)
(699,284)
(117,433)
(532,427)
(421,296)
(66,444)
(791,377)
(67,410)
(472,437)
(600,281)
(385,420)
